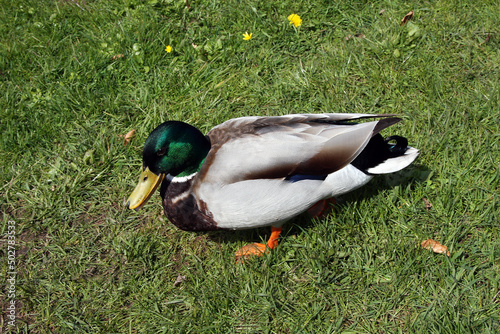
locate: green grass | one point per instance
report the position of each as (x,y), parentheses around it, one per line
(85,264)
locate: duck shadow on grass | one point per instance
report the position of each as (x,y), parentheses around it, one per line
(414,174)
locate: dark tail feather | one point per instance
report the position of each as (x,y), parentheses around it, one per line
(387,155)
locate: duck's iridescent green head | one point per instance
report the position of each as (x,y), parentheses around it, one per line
(174,148)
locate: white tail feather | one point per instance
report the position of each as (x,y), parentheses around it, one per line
(395,164)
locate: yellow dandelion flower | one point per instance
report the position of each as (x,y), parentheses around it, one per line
(247,36)
(168,49)
(295,20)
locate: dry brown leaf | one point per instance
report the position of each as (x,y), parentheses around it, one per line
(427,204)
(179,280)
(128,136)
(435,246)
(382,11)
(407,17)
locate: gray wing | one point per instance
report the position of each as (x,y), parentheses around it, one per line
(250,148)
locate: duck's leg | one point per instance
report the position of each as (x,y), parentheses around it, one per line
(321,207)
(257,249)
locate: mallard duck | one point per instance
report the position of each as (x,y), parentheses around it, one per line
(251,172)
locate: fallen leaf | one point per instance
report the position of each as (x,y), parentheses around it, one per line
(435,246)
(179,280)
(382,11)
(407,18)
(427,204)
(128,136)
(117,57)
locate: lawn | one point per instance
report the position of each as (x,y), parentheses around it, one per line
(77,75)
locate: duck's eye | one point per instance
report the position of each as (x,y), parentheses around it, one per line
(162,151)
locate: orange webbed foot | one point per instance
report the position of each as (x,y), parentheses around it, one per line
(257,249)
(250,250)
(321,208)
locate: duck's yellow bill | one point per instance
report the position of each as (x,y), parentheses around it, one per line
(148,182)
